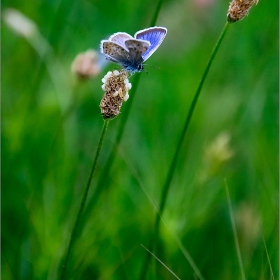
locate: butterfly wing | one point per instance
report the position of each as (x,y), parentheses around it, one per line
(136,49)
(154,35)
(120,38)
(114,52)
(129,56)
(140,46)
(129,52)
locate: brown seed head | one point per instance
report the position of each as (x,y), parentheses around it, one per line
(116,87)
(238,9)
(85,65)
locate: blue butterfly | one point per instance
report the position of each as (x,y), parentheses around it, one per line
(131,52)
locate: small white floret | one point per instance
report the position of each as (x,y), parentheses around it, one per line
(103,87)
(128,86)
(108,75)
(125,97)
(116,93)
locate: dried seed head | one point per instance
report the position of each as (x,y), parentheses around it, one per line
(116,87)
(85,65)
(238,9)
(248,221)
(219,150)
(216,154)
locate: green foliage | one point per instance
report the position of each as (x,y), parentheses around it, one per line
(48,149)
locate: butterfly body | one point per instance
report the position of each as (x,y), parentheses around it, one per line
(130,52)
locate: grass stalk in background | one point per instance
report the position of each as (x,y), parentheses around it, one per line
(268,259)
(172,167)
(82,205)
(109,163)
(184,251)
(64,116)
(63,10)
(160,262)
(237,247)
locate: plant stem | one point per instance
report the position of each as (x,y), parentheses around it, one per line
(154,19)
(237,247)
(82,205)
(181,139)
(268,259)
(172,167)
(161,262)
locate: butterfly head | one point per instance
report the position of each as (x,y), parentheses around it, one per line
(132,69)
(140,68)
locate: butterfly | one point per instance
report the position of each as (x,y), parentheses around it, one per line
(129,52)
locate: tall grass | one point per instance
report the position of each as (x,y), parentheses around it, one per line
(233,134)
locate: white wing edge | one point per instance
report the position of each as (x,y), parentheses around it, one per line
(119,33)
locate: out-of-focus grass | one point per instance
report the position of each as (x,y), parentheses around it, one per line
(42,185)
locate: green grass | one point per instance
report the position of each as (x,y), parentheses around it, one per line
(233,134)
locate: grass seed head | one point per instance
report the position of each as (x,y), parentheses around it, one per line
(116,87)
(85,65)
(238,9)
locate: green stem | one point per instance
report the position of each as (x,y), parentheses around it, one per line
(170,175)
(82,205)
(268,259)
(237,247)
(154,19)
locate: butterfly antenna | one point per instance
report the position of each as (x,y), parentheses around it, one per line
(155,67)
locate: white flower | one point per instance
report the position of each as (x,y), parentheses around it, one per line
(117,92)
(128,86)
(108,75)
(126,97)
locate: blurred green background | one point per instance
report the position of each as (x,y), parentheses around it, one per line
(51,124)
